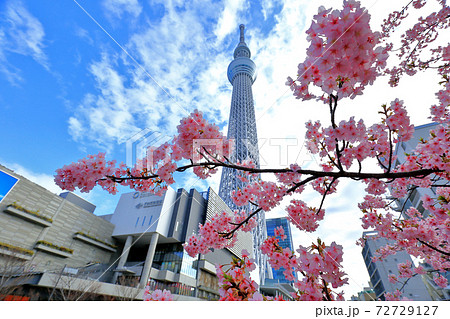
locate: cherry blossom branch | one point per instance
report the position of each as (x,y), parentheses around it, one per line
(354,175)
(325,194)
(434,248)
(326,292)
(425,243)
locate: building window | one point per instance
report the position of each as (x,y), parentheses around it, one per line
(172,257)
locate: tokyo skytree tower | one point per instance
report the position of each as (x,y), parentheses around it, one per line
(242,129)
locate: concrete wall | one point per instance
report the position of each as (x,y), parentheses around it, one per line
(67,220)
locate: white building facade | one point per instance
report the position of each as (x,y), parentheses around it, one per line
(379,271)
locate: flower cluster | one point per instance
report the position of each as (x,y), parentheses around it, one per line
(320,266)
(341,145)
(441,281)
(304,217)
(211,235)
(87,173)
(343,56)
(416,40)
(217,232)
(199,139)
(264,194)
(235,283)
(395,296)
(157,295)
(440,113)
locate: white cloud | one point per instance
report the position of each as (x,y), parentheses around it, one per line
(171,81)
(83,34)
(105,119)
(267,7)
(21,34)
(228,19)
(116,8)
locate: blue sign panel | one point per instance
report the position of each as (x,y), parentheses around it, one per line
(7,182)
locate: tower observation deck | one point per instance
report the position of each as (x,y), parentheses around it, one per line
(242,129)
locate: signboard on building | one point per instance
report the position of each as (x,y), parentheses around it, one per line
(142,212)
(7,182)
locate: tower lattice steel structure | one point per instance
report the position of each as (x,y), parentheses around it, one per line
(242,129)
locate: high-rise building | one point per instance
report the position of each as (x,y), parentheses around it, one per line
(403,148)
(379,271)
(278,276)
(275,283)
(414,199)
(242,130)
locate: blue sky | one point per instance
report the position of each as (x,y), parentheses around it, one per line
(71,86)
(6,183)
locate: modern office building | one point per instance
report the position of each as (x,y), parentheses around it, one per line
(152,229)
(277,274)
(403,148)
(379,271)
(414,199)
(242,130)
(275,283)
(53,246)
(49,230)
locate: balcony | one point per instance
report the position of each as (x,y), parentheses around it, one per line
(16,252)
(30,216)
(205,265)
(94,242)
(53,249)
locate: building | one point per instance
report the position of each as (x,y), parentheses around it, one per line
(242,130)
(275,282)
(403,148)
(151,231)
(54,247)
(414,200)
(436,292)
(379,271)
(45,235)
(277,274)
(367,294)
(50,230)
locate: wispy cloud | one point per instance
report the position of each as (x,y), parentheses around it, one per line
(107,118)
(228,19)
(83,34)
(21,34)
(117,8)
(127,99)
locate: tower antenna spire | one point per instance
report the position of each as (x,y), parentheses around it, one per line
(242,129)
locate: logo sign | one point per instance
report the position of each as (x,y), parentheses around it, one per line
(149,204)
(7,182)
